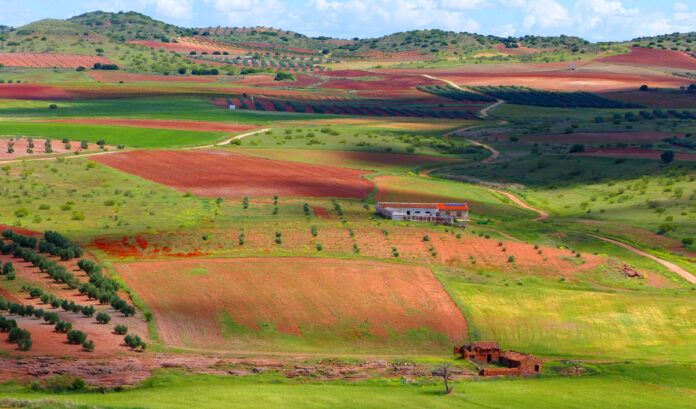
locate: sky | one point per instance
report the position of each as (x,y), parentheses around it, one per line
(595,20)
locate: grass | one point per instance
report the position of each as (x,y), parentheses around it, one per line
(111,201)
(580,323)
(628,386)
(113,135)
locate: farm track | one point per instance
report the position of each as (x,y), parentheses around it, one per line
(669,265)
(234,138)
(543,215)
(484,112)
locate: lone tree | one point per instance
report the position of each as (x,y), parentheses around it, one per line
(445,372)
(667,156)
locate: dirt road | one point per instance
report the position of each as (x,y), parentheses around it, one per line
(669,265)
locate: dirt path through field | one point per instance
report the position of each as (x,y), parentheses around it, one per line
(669,265)
(484,112)
(227,141)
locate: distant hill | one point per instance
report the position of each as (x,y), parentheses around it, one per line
(124,26)
(677,41)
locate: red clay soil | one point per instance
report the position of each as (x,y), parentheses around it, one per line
(568,80)
(654,58)
(48,342)
(293,294)
(603,137)
(222,174)
(202,126)
(46,60)
(32,92)
(636,153)
(321,212)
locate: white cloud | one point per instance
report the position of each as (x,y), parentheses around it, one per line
(180,9)
(541,13)
(461,5)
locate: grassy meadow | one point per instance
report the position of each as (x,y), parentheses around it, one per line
(628,386)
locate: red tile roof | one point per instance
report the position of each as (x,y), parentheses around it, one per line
(439,206)
(453,207)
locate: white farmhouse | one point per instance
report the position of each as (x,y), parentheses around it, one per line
(455,214)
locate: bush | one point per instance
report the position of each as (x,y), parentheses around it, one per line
(576,148)
(103,318)
(62,326)
(63,383)
(687,241)
(134,342)
(76,337)
(88,310)
(667,156)
(88,345)
(121,329)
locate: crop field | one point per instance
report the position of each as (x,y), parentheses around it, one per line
(298,303)
(256,217)
(215,173)
(50,60)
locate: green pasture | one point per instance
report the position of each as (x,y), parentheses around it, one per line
(640,193)
(362,138)
(183,108)
(113,135)
(607,386)
(82,199)
(579,323)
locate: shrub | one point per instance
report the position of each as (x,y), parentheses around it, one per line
(667,156)
(134,342)
(76,337)
(103,318)
(121,329)
(88,310)
(687,241)
(88,345)
(62,326)
(576,148)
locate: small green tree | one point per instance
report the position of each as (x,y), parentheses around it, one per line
(88,345)
(121,329)
(667,156)
(103,318)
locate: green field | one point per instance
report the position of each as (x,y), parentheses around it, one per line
(628,386)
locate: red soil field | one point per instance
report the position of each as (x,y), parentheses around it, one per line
(636,153)
(654,58)
(568,80)
(202,126)
(298,296)
(32,92)
(350,74)
(21,144)
(222,174)
(48,342)
(45,60)
(603,137)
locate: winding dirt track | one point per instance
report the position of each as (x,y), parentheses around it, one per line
(671,266)
(543,215)
(484,112)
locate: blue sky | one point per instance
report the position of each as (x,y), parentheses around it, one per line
(595,20)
